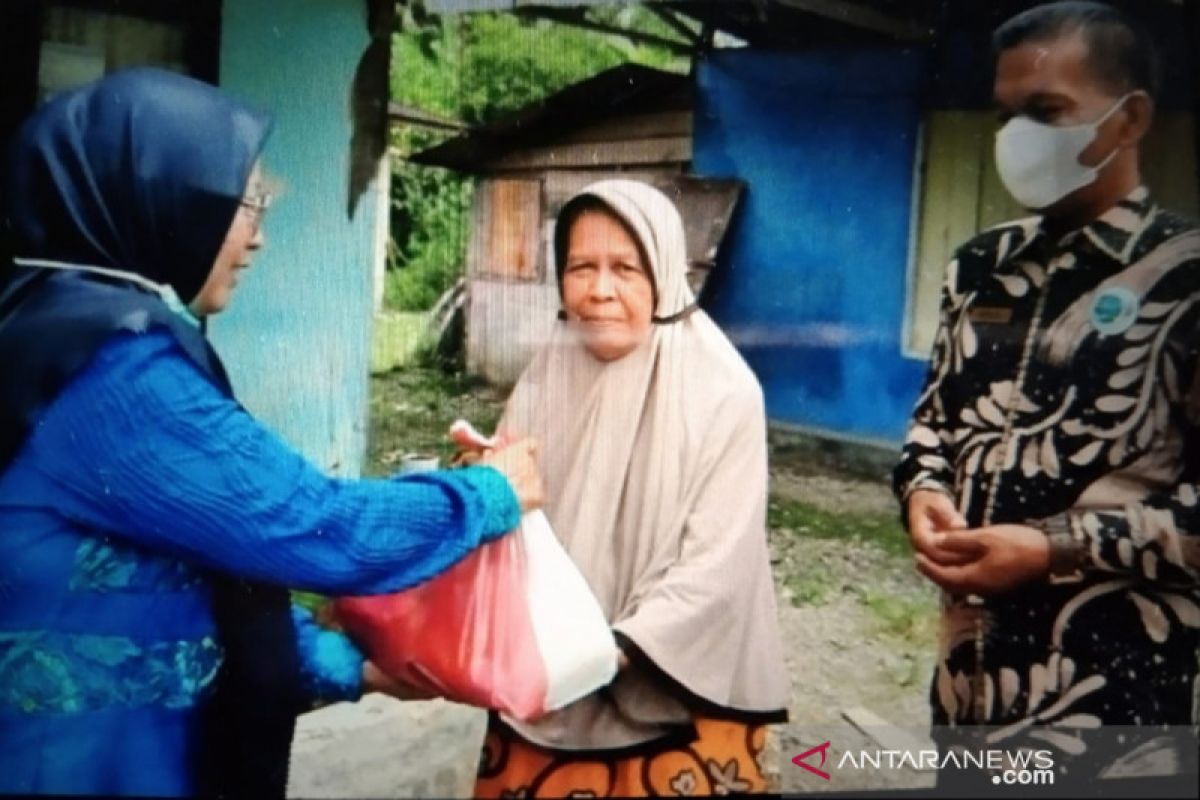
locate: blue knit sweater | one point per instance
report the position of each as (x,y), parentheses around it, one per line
(139,481)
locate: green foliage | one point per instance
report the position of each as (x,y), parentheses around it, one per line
(512,61)
(475,67)
(428,229)
(427,53)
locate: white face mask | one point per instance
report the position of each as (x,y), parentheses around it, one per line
(1039,163)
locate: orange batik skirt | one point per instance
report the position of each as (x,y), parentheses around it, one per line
(725,758)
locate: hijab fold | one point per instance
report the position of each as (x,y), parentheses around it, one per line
(656,478)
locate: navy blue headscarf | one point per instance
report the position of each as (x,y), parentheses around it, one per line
(141,173)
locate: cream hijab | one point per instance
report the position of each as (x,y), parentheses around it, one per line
(656,476)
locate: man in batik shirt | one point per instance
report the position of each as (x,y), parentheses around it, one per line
(1050,473)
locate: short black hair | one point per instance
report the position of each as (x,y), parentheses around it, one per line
(1120,50)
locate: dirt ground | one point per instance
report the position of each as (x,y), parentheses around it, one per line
(851,649)
(857,622)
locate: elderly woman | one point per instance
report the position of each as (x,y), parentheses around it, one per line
(148,520)
(654,453)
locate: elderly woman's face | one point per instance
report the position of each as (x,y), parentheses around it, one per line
(606,288)
(241,242)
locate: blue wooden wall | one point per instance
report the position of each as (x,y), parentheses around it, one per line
(297,337)
(812,286)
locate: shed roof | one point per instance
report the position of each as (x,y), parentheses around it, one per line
(760,22)
(626,90)
(398,112)
(792,23)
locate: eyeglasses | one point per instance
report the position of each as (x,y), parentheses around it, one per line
(256,206)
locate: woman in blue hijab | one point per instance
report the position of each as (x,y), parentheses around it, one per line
(147,522)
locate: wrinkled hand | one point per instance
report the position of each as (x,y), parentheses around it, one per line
(376,680)
(472,444)
(470,454)
(519,464)
(931,515)
(466,458)
(999,558)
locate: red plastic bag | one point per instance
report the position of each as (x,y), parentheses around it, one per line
(512,627)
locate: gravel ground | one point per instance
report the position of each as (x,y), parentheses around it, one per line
(865,641)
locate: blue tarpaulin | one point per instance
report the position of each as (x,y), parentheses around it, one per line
(813,289)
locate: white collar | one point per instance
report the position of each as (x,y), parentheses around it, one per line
(166,293)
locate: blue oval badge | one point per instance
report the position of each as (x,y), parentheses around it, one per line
(1114,311)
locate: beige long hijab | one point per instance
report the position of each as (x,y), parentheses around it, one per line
(656,475)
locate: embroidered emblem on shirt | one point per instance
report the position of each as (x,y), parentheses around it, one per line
(1114,310)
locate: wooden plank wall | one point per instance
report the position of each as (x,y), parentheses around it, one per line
(961,194)
(507,223)
(1169,163)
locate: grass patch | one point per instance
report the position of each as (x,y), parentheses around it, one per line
(398,340)
(412,408)
(909,620)
(903,616)
(810,588)
(864,556)
(879,529)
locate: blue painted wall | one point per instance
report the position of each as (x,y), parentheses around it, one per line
(297,337)
(812,288)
